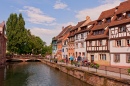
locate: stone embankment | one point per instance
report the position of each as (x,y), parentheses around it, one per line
(91,78)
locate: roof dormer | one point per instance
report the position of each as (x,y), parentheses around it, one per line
(99,22)
(108,20)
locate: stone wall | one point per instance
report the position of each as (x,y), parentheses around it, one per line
(91,78)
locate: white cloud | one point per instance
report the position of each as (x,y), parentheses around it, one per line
(36,16)
(47,34)
(60,5)
(95,12)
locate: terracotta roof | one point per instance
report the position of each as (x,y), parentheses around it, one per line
(88,29)
(67,29)
(63,32)
(92,37)
(78,25)
(123,21)
(98,27)
(123,7)
(107,14)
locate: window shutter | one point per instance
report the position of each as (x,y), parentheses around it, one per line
(123,42)
(114,57)
(126,58)
(113,43)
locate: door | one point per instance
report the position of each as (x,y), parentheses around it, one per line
(92,58)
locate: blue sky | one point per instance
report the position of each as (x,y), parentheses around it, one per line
(45,18)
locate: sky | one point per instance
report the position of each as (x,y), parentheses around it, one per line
(45,18)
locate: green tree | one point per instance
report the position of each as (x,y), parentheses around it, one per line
(10,32)
(20,40)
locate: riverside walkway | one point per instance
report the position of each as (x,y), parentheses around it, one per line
(110,71)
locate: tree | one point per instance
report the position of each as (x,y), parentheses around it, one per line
(10,32)
(20,40)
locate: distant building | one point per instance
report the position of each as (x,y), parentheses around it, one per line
(54,46)
(2,43)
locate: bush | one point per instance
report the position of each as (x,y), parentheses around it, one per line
(128,71)
(97,66)
(94,65)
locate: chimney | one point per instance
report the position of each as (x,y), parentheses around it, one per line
(87,17)
(62,27)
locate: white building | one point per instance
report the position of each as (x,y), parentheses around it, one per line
(80,36)
(98,41)
(119,35)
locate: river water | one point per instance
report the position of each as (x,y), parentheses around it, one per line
(35,74)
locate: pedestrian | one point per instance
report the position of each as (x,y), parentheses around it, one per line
(50,58)
(71,59)
(83,59)
(79,59)
(66,59)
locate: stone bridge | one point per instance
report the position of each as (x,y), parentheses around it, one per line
(25,59)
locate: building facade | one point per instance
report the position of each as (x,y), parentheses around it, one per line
(80,36)
(119,34)
(98,40)
(2,43)
(105,41)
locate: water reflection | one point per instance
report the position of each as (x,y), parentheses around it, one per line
(36,74)
(1,76)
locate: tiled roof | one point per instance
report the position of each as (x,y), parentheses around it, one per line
(98,27)
(88,29)
(107,14)
(123,21)
(63,32)
(104,15)
(78,25)
(67,29)
(92,37)
(123,7)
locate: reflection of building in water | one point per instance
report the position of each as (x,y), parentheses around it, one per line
(1,76)
(2,43)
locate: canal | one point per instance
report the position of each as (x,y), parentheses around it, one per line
(35,74)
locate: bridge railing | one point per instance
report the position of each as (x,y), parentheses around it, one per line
(27,56)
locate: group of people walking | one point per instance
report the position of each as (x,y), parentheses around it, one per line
(77,60)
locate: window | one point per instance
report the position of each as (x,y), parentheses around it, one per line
(82,45)
(99,23)
(82,36)
(100,42)
(102,56)
(66,49)
(122,29)
(108,20)
(128,42)
(119,17)
(98,32)
(128,14)
(128,58)
(118,42)
(116,57)
(76,37)
(76,45)
(90,43)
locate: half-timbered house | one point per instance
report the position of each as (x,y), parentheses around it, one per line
(119,34)
(97,42)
